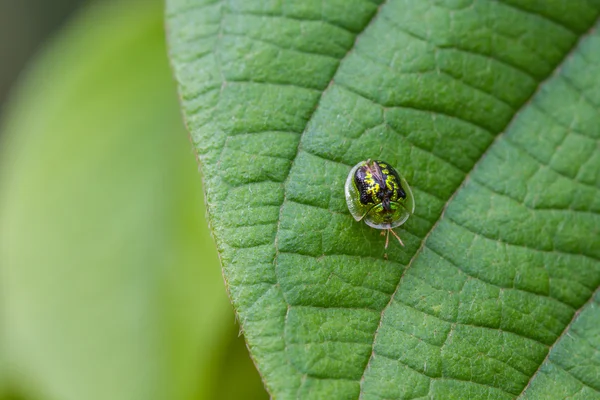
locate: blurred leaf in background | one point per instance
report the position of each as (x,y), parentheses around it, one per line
(110,284)
(24,26)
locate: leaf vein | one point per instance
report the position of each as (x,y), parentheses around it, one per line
(557,341)
(452,262)
(457,223)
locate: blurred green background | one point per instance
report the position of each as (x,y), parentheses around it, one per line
(110,285)
(24,27)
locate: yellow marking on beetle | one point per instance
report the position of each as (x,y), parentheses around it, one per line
(373,190)
(369,178)
(389,183)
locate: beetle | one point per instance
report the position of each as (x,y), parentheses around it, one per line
(378,195)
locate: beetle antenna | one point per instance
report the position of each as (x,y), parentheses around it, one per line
(397,237)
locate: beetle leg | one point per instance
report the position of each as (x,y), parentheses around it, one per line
(397,237)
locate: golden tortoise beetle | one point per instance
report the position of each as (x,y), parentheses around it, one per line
(377,194)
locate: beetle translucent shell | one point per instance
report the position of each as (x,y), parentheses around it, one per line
(378,195)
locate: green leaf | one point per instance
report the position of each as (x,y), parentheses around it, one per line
(490,109)
(110,282)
